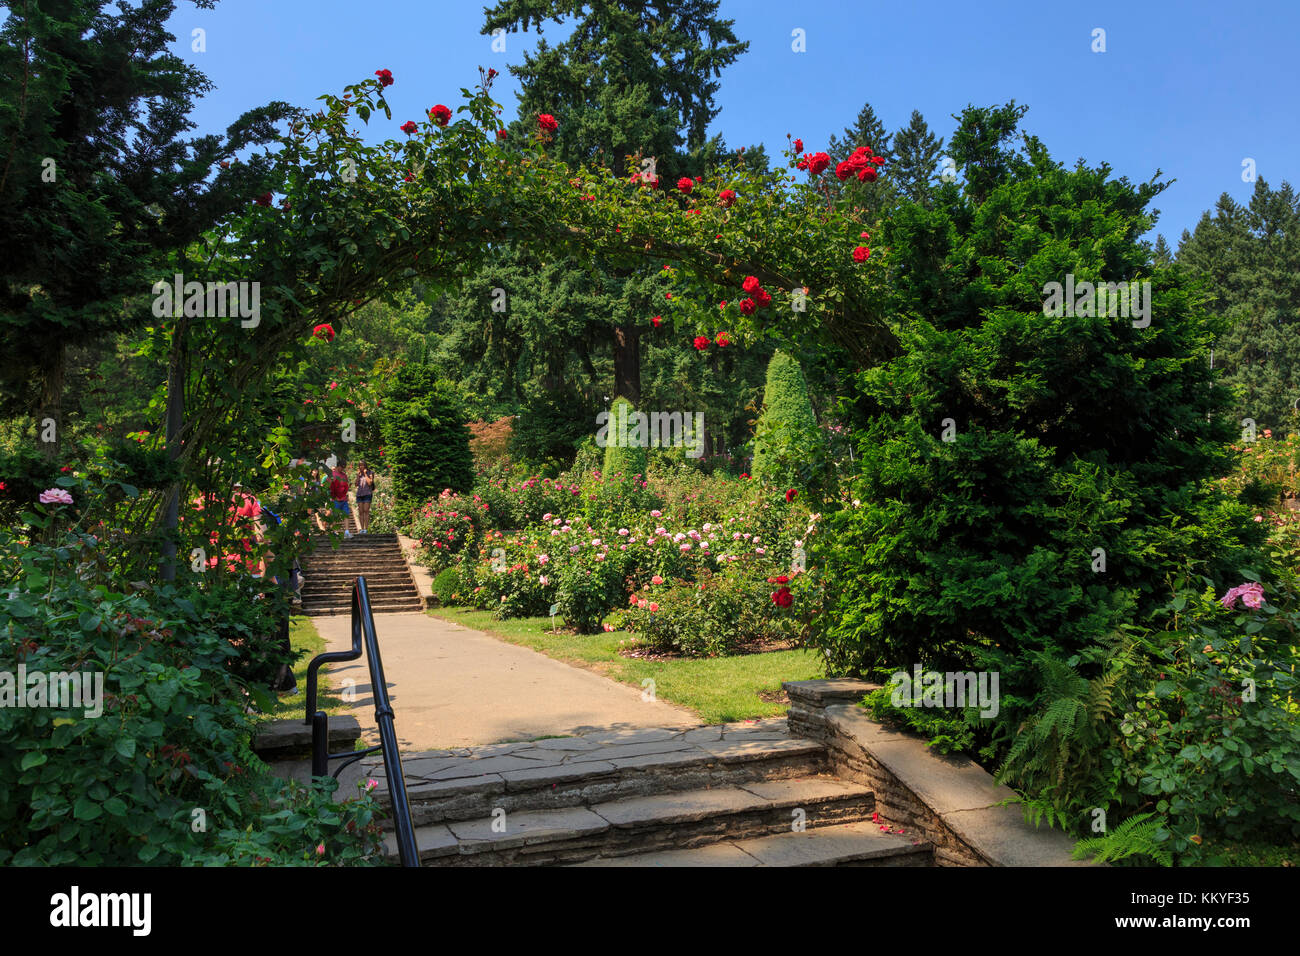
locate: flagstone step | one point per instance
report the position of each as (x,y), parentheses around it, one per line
(395,607)
(862,843)
(564,772)
(675,820)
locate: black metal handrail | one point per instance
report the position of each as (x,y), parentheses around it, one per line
(363,629)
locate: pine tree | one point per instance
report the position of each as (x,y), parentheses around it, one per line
(425,437)
(1249,257)
(916,159)
(635,78)
(98,185)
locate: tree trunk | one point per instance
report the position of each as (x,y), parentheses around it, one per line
(627,363)
(52,372)
(175,419)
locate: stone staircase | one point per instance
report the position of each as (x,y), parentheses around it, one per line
(329,573)
(747,794)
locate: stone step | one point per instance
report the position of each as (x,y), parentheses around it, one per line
(350,573)
(576,771)
(846,844)
(377,607)
(374,585)
(676,820)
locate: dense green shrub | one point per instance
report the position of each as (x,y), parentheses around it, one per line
(1001,447)
(721,612)
(446,587)
(788,447)
(548,430)
(163,775)
(426,441)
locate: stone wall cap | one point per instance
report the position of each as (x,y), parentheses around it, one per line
(829,690)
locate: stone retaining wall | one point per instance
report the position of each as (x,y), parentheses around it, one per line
(950,800)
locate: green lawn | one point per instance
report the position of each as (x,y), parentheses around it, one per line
(719,689)
(303,636)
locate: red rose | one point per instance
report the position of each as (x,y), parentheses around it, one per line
(547,122)
(748,306)
(798,146)
(385,77)
(501,134)
(790,494)
(744,474)
(860,157)
(782,579)
(782,597)
(440,114)
(685,184)
(722,340)
(817,163)
(657,320)
(764,300)
(701,342)
(263,200)
(408,127)
(843,171)
(861,254)
(864,235)
(726,198)
(878,160)
(324,331)
(751,284)
(802,164)
(867,174)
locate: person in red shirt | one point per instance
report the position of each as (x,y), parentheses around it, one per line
(339,496)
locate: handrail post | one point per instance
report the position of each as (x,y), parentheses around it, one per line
(363,629)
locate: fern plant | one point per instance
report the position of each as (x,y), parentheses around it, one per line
(1142,835)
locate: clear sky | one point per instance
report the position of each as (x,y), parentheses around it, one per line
(1191,88)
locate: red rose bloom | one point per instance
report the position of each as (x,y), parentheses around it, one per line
(764,300)
(263,200)
(861,254)
(798,146)
(385,77)
(782,579)
(748,306)
(324,331)
(843,171)
(722,340)
(864,235)
(790,494)
(440,114)
(685,184)
(408,127)
(751,284)
(860,157)
(701,342)
(817,163)
(658,321)
(867,175)
(782,597)
(802,164)
(878,160)
(501,134)
(726,198)
(547,122)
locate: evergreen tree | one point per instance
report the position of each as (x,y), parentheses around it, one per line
(98,185)
(425,438)
(786,439)
(625,453)
(635,78)
(1249,259)
(916,159)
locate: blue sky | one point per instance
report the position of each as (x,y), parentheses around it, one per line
(1190,88)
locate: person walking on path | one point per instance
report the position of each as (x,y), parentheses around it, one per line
(365,491)
(339,496)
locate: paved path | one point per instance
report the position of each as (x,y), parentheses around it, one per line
(456,687)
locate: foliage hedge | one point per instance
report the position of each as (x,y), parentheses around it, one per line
(426,442)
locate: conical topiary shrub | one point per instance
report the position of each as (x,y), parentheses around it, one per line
(625,441)
(787,443)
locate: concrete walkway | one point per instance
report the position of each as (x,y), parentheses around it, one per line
(456,687)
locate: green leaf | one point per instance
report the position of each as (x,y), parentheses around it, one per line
(1165,687)
(115,806)
(125,746)
(33,758)
(87,809)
